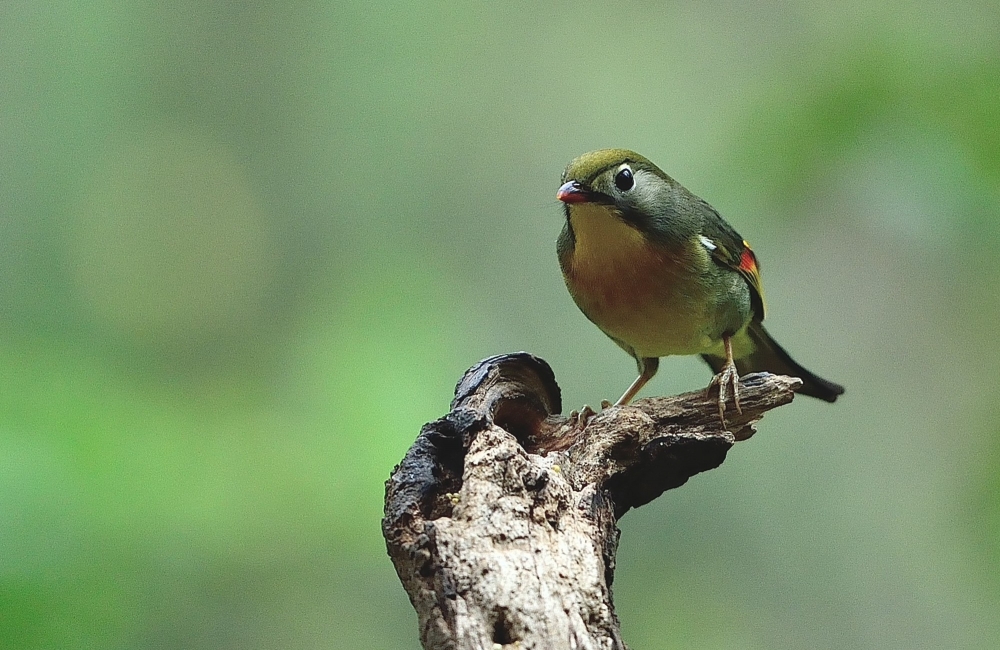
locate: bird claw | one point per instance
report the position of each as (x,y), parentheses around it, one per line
(728,376)
(584,414)
(578,420)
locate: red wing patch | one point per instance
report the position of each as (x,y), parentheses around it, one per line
(750,271)
(748,261)
(746,265)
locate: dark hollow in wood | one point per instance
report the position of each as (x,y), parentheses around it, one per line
(501,519)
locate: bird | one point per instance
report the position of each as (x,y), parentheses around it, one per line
(661,273)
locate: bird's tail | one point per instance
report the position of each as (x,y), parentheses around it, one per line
(768,356)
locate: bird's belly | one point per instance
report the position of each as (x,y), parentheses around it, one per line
(653,324)
(654,305)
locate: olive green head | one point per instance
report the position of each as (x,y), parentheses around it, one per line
(589,167)
(633,189)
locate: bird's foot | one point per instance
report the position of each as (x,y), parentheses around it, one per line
(577,421)
(728,377)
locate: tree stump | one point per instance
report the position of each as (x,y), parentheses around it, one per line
(502,517)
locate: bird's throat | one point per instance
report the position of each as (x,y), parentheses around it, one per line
(601,236)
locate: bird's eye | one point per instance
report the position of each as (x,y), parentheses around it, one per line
(624,180)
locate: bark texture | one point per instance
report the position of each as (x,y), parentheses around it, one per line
(501,518)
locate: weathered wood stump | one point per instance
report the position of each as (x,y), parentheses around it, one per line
(501,518)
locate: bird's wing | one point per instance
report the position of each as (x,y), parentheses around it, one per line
(733,252)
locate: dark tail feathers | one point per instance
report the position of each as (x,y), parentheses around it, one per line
(768,356)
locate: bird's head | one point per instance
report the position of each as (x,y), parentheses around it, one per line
(628,187)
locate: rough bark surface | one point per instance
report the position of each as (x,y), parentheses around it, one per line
(501,518)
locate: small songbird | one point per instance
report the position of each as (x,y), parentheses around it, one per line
(660,272)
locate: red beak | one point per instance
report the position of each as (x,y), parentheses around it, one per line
(574,192)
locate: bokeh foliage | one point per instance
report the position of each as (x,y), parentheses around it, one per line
(247,251)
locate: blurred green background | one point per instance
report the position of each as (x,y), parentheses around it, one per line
(245,252)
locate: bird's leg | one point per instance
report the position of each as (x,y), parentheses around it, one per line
(578,420)
(728,375)
(647,367)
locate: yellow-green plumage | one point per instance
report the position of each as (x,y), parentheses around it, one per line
(630,289)
(661,273)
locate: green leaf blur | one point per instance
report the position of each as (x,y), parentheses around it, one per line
(247,251)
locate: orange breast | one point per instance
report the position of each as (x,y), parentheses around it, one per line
(642,294)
